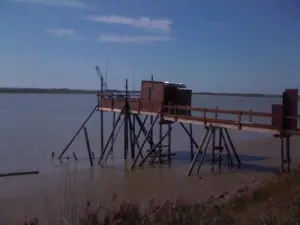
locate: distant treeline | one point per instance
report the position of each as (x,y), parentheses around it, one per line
(239,94)
(53,91)
(80,91)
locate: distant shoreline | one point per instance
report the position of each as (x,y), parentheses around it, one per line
(78,91)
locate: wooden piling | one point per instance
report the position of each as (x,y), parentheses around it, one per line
(88,146)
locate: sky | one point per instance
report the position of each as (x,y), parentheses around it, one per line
(247,46)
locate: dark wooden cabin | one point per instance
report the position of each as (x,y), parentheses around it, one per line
(165,93)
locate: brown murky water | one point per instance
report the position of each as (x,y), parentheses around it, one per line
(43,124)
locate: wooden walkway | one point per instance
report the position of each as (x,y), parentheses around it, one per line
(239,124)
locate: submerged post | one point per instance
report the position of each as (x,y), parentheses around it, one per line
(78,131)
(88,146)
(132,131)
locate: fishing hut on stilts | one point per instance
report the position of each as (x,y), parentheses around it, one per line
(166,103)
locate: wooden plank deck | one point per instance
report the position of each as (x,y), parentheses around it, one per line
(225,123)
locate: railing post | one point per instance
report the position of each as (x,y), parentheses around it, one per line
(250,116)
(240,120)
(216,113)
(204,114)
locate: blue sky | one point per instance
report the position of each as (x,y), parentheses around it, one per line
(211,45)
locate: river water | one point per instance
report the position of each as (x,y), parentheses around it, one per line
(35,125)
(32,126)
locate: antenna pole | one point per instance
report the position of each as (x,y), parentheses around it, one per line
(133,82)
(101,117)
(106,72)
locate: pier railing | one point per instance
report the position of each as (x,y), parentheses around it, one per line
(272,122)
(216,116)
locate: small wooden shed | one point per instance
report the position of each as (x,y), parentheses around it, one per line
(166,93)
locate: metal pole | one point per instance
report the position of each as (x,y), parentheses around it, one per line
(151,119)
(126,121)
(101,118)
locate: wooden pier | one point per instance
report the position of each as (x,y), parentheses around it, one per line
(167,103)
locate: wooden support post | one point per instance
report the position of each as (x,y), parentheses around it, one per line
(113,134)
(144,130)
(191,141)
(199,151)
(126,144)
(151,119)
(154,149)
(160,145)
(78,131)
(229,157)
(285,152)
(144,142)
(134,137)
(114,140)
(132,131)
(232,147)
(101,117)
(88,146)
(210,138)
(220,147)
(213,129)
(151,132)
(282,153)
(288,157)
(169,143)
(75,157)
(205,150)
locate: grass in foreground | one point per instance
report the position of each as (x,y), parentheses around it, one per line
(276,202)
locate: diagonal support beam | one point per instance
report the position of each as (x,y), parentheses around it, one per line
(144,130)
(114,138)
(112,133)
(144,142)
(232,146)
(224,143)
(154,148)
(199,151)
(78,131)
(189,134)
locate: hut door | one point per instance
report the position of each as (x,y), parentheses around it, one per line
(151,96)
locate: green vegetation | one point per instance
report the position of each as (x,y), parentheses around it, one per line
(276,202)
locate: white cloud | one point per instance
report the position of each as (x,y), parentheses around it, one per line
(59,3)
(132,39)
(64,33)
(142,22)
